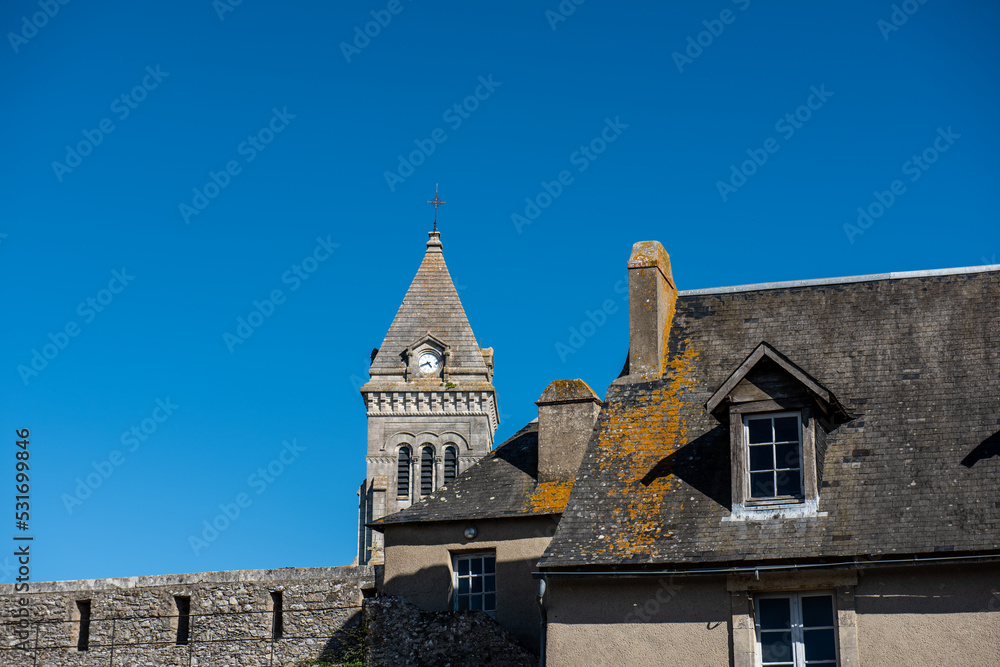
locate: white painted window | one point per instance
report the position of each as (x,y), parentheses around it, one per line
(795,629)
(476,582)
(773,447)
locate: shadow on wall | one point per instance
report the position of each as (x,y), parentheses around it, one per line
(430,589)
(987,449)
(347,642)
(704,463)
(965,589)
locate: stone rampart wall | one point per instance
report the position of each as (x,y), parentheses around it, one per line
(135,620)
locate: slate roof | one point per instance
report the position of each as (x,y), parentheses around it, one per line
(431,305)
(502,484)
(915,360)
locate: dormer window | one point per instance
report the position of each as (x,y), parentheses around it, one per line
(778,416)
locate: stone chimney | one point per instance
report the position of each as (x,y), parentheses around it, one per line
(652,297)
(567,412)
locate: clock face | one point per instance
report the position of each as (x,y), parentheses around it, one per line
(428,363)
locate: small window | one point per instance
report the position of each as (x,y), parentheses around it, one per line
(774,456)
(450,464)
(277,616)
(476,583)
(83,634)
(796,630)
(403,473)
(183,603)
(427,471)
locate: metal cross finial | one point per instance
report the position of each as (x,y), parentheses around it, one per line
(436,202)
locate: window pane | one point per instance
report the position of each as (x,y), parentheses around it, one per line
(788,483)
(820,644)
(760,430)
(762,485)
(463,603)
(463,566)
(774,613)
(761,458)
(477,566)
(787,455)
(463,585)
(817,611)
(476,602)
(489,564)
(786,429)
(776,646)
(477,585)
(489,583)
(490,602)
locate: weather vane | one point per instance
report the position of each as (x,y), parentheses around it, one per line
(436,202)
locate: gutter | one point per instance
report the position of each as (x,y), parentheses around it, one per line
(913,560)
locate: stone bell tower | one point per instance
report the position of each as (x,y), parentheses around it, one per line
(432,409)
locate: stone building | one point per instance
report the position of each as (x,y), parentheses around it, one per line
(431,406)
(498,516)
(799,473)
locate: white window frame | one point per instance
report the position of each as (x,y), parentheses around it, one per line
(456,577)
(798,642)
(776,499)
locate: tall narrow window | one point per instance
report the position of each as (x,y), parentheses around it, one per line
(403,473)
(427,471)
(83,634)
(796,630)
(774,448)
(277,616)
(183,603)
(450,464)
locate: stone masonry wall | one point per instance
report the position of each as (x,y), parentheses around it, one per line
(399,634)
(134,621)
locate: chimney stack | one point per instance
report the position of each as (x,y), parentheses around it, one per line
(567,412)
(652,297)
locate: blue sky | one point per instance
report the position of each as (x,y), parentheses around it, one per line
(167,166)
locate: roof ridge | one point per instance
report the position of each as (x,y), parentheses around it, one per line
(894,275)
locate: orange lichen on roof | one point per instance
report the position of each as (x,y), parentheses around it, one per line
(637,435)
(550,497)
(566,390)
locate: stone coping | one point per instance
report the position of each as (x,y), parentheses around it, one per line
(285,574)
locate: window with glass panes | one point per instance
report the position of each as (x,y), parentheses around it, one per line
(774,455)
(796,630)
(476,583)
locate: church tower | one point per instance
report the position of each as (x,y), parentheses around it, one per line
(432,409)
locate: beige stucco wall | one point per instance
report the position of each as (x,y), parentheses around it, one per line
(418,566)
(649,621)
(929,617)
(923,616)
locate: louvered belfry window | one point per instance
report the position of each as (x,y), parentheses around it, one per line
(427,471)
(450,464)
(403,473)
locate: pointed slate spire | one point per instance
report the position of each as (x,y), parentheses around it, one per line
(431,306)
